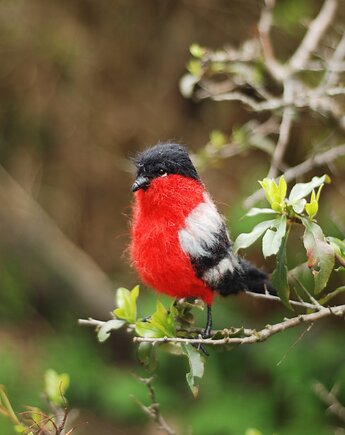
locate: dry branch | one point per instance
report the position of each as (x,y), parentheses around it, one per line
(258,336)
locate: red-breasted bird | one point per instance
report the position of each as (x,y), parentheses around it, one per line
(180,245)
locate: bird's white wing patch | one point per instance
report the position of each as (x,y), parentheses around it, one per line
(201,228)
(215,274)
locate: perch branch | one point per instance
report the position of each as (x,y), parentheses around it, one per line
(258,336)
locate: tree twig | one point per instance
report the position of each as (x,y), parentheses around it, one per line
(258,336)
(284,131)
(153,411)
(312,38)
(320,159)
(330,399)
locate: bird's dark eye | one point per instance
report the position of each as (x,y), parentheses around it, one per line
(162,172)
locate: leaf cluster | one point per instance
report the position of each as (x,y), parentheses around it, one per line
(300,207)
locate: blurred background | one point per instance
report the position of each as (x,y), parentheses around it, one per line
(84,85)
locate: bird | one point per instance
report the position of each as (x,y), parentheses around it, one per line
(180,245)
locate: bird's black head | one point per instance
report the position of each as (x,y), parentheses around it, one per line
(162,160)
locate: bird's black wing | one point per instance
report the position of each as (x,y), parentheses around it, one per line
(206,241)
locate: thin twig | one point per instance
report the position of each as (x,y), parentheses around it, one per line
(320,159)
(284,131)
(332,75)
(153,411)
(329,398)
(294,344)
(259,336)
(277,299)
(312,38)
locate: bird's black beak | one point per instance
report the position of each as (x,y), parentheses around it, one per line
(140,183)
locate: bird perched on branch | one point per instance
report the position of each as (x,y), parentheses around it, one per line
(180,245)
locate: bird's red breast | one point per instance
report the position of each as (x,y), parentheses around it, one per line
(159,214)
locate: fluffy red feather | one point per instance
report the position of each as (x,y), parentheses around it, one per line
(158,214)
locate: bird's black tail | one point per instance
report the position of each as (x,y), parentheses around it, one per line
(248,278)
(255,280)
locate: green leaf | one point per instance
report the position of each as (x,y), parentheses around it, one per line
(320,254)
(147,356)
(127,302)
(272,239)
(159,325)
(217,138)
(55,386)
(275,194)
(301,190)
(196,365)
(280,275)
(338,246)
(246,239)
(299,205)
(194,66)
(256,211)
(196,50)
(104,331)
(312,207)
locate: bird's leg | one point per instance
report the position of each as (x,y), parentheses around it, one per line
(208,329)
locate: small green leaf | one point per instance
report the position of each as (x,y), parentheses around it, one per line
(147,356)
(280,275)
(246,239)
(194,67)
(187,84)
(196,365)
(301,190)
(272,239)
(256,211)
(320,254)
(55,386)
(217,138)
(338,246)
(159,325)
(299,205)
(104,331)
(127,302)
(197,51)
(312,207)
(282,188)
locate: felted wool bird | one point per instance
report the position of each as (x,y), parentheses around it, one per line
(180,245)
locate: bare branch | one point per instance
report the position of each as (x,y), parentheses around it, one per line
(153,411)
(320,159)
(258,336)
(264,27)
(332,75)
(311,40)
(22,217)
(330,399)
(269,297)
(284,131)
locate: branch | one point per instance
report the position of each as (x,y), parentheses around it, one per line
(269,297)
(315,161)
(284,131)
(328,397)
(312,38)
(153,411)
(22,220)
(332,75)
(258,336)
